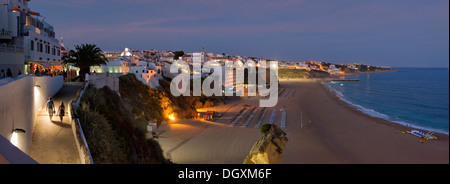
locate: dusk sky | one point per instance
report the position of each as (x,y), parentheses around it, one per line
(411,33)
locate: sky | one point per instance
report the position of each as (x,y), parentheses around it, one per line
(395,33)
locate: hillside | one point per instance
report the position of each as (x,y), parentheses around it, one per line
(112,132)
(115,126)
(301,74)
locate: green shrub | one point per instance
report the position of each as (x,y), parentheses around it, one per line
(265,128)
(157,152)
(198,104)
(102,140)
(111,129)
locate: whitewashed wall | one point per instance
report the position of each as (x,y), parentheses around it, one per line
(20,101)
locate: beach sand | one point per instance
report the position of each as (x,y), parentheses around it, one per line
(337,133)
(321,129)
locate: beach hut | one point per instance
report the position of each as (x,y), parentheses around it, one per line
(151,126)
(208,115)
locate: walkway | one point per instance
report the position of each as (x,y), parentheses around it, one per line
(53,141)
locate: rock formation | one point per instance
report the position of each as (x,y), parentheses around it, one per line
(269,148)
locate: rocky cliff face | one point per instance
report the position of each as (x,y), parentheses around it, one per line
(269,148)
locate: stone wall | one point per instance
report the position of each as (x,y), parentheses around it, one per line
(100,80)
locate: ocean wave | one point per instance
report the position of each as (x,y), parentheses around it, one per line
(334,90)
(386,117)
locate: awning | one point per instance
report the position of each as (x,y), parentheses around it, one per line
(17,10)
(29,12)
(47,64)
(34,13)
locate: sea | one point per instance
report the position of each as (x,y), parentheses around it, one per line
(414,97)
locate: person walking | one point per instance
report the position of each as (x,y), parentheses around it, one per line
(50,107)
(61,111)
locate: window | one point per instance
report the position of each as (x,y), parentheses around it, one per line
(32,45)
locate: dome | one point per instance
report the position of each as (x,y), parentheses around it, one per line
(126,52)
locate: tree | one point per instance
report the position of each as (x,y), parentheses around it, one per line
(265,128)
(84,56)
(9,73)
(178,54)
(198,104)
(208,104)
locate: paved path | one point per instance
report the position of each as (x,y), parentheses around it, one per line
(53,141)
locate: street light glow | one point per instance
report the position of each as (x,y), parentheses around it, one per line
(172,117)
(14,139)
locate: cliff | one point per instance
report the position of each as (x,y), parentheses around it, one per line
(112,132)
(269,148)
(285,73)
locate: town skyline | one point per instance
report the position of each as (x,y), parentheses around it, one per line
(188,82)
(383,33)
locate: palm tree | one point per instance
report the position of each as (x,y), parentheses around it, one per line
(84,57)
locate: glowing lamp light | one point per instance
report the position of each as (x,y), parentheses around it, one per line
(14,137)
(172,117)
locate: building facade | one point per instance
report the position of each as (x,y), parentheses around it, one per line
(20,27)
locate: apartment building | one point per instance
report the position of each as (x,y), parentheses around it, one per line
(25,30)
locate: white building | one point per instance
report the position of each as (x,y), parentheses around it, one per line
(333,70)
(302,66)
(121,63)
(147,72)
(20,27)
(198,57)
(11,61)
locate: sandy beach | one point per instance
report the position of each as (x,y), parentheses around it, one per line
(321,130)
(338,133)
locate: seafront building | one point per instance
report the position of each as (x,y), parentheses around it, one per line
(27,43)
(149,66)
(27,46)
(227,64)
(131,61)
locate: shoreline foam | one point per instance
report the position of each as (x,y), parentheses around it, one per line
(377,114)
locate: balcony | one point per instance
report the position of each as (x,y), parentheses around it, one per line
(5,35)
(9,48)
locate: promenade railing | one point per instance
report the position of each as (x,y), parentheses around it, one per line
(80,139)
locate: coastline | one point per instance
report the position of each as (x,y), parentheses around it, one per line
(402,123)
(347,135)
(398,126)
(351,105)
(363,73)
(321,129)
